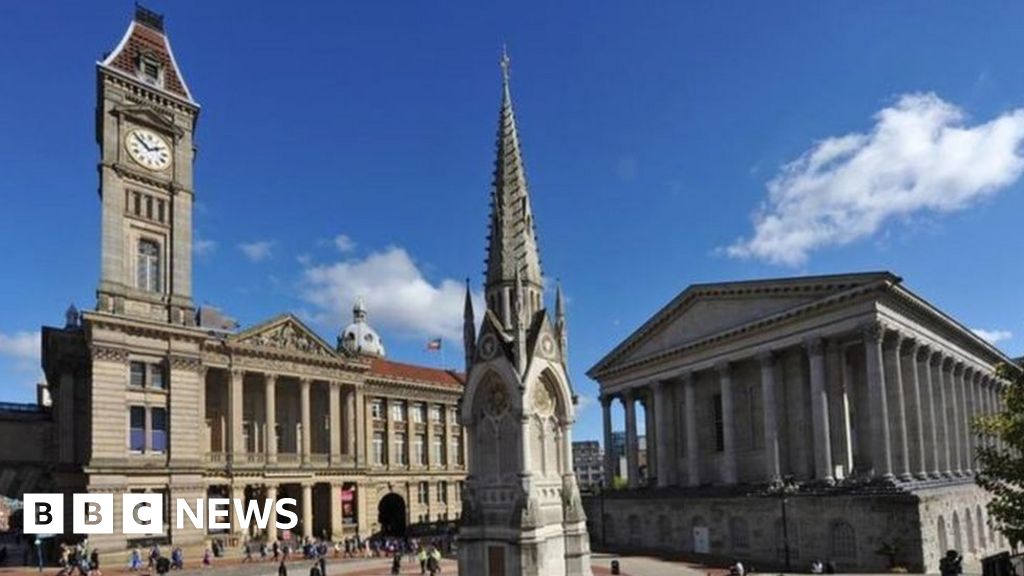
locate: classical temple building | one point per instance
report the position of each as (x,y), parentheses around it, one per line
(850,391)
(148,396)
(523,512)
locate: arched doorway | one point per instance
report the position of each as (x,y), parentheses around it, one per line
(391,515)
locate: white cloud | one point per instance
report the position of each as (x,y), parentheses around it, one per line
(23,347)
(992,336)
(344,244)
(400,300)
(920,157)
(257,251)
(202,247)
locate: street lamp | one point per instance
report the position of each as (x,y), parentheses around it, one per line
(784,487)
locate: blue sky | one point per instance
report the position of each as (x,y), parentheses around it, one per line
(347,148)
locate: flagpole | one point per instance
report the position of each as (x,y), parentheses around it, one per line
(444,364)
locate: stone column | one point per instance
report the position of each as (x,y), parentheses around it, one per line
(350,421)
(899,391)
(965,379)
(660,419)
(847,427)
(236,442)
(272,524)
(334,397)
(237,493)
(728,430)
(609,456)
(449,419)
(632,464)
(692,452)
(929,397)
(307,510)
(337,524)
(919,413)
(270,395)
(389,434)
(819,411)
(651,424)
(881,451)
(953,401)
(304,384)
(772,467)
(938,362)
(359,432)
(204,426)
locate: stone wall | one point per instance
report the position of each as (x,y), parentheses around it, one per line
(848,530)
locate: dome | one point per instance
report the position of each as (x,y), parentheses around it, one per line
(358,337)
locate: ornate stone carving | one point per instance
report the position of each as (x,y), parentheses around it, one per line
(873,330)
(488,346)
(497,399)
(186,363)
(109,354)
(287,337)
(543,402)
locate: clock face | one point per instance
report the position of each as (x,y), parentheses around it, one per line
(148,149)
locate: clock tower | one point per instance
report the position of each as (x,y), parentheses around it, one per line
(145,123)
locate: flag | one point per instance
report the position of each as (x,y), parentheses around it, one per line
(434,345)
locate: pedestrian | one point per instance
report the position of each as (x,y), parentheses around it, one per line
(396,563)
(177,558)
(323,565)
(282,570)
(276,549)
(207,557)
(94,563)
(422,557)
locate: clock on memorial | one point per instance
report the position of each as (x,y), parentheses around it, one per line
(148,149)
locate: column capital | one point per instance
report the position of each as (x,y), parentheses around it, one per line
(958,367)
(898,338)
(947,362)
(815,345)
(873,330)
(270,377)
(723,367)
(606,400)
(657,385)
(237,372)
(305,380)
(922,350)
(766,357)
(913,345)
(687,378)
(628,395)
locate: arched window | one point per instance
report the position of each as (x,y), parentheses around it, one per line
(843,540)
(635,531)
(148,266)
(958,539)
(739,533)
(664,530)
(981,528)
(943,537)
(970,531)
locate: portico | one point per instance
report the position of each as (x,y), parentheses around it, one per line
(836,381)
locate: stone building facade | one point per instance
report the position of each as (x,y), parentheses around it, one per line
(588,463)
(855,391)
(147,398)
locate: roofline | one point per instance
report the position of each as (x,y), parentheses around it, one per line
(693,289)
(105,64)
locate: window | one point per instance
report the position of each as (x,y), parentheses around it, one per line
(439,450)
(148,266)
(739,533)
(400,455)
(138,374)
(457,450)
(157,376)
(442,492)
(376,409)
(160,210)
(150,70)
(158,435)
(378,448)
(418,413)
(844,540)
(435,413)
(137,429)
(716,410)
(398,411)
(423,493)
(419,449)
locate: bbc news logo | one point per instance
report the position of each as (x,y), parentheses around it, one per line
(143,514)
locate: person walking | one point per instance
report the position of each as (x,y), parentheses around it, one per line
(282,570)
(94,563)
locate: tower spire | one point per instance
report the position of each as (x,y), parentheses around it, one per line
(512,241)
(468,328)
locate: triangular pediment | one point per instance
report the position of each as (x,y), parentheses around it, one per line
(704,310)
(147,116)
(285,333)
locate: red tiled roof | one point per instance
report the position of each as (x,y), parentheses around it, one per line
(142,39)
(388,369)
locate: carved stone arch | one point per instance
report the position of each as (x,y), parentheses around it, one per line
(557,383)
(479,379)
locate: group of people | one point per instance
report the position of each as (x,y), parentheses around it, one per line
(156,560)
(79,558)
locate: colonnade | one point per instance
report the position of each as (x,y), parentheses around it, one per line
(876,402)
